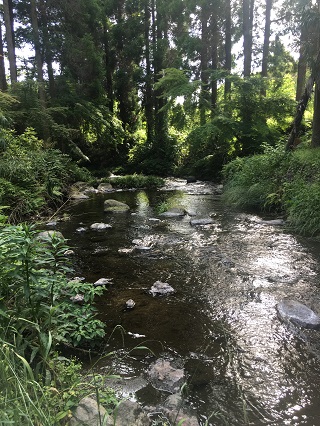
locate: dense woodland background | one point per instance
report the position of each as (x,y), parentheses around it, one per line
(159,86)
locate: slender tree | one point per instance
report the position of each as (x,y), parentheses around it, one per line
(8,19)
(3,80)
(266,42)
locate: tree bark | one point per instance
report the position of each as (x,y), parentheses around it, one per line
(247,8)
(266,42)
(47,48)
(228,48)
(37,49)
(315,141)
(3,81)
(214,63)
(8,19)
(148,96)
(204,63)
(302,105)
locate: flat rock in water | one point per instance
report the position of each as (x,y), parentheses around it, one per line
(161,289)
(174,212)
(114,206)
(298,314)
(89,413)
(204,221)
(164,376)
(130,413)
(100,226)
(103,281)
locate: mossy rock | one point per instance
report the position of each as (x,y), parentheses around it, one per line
(114,206)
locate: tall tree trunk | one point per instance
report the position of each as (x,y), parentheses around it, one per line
(3,81)
(108,67)
(214,63)
(37,48)
(148,78)
(314,77)
(247,8)
(228,48)
(46,45)
(315,141)
(8,19)
(302,62)
(204,63)
(266,42)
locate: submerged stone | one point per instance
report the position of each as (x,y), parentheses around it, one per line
(204,221)
(174,212)
(164,376)
(298,314)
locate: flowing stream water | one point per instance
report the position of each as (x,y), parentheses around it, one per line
(243,365)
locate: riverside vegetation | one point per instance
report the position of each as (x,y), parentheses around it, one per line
(38,316)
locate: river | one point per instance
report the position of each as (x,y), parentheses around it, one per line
(243,365)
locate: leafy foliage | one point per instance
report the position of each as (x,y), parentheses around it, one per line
(275,180)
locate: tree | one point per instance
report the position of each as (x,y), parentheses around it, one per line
(3,80)
(247,10)
(266,42)
(8,19)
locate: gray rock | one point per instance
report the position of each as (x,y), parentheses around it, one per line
(161,289)
(48,235)
(105,187)
(76,195)
(164,376)
(273,222)
(130,413)
(175,411)
(103,281)
(100,226)
(78,298)
(174,212)
(88,413)
(53,223)
(203,221)
(298,314)
(130,304)
(81,229)
(114,206)
(69,253)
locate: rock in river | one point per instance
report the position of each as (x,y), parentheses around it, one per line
(161,289)
(203,221)
(100,226)
(298,314)
(114,206)
(164,376)
(174,212)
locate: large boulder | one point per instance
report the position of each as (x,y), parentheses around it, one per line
(129,413)
(298,314)
(79,191)
(105,187)
(89,413)
(175,410)
(114,206)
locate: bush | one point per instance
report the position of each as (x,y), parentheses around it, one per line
(276,180)
(33,179)
(136,181)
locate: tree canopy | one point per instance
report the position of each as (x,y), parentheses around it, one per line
(160,86)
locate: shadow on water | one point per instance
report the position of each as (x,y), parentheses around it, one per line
(243,365)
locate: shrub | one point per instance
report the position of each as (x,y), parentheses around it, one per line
(289,182)
(136,181)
